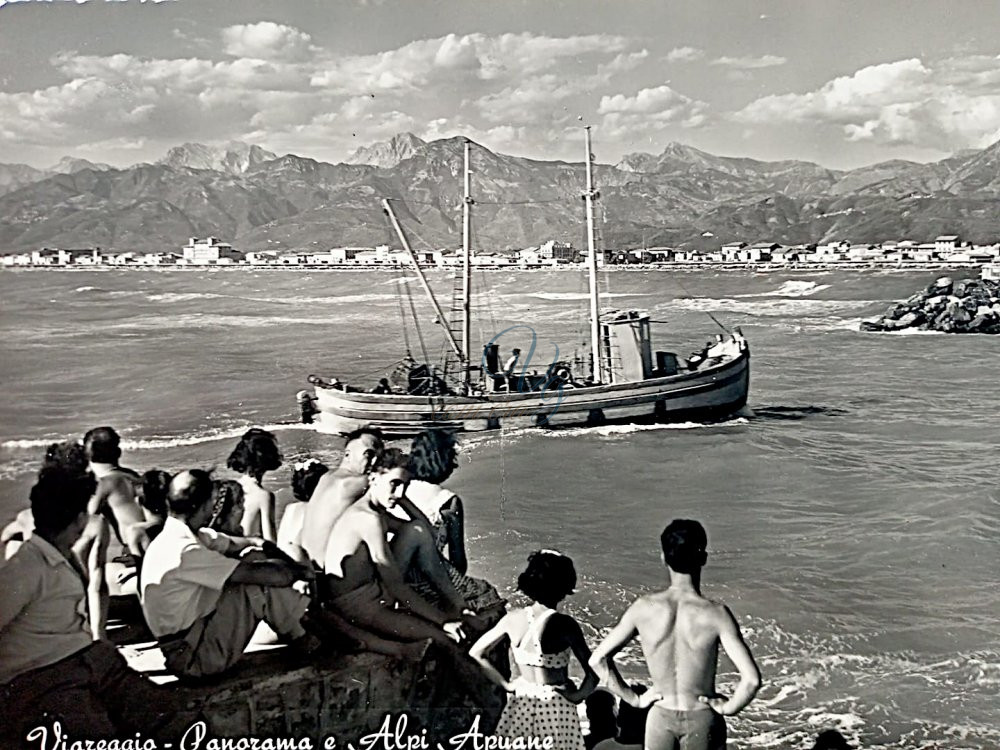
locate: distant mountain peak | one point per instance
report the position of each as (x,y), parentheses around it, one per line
(71,165)
(388,154)
(234,157)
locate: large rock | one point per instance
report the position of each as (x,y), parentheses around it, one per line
(966,306)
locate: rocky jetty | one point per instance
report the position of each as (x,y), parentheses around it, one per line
(966,306)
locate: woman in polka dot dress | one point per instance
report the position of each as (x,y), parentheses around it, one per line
(542,700)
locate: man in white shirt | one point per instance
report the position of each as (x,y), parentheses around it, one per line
(51,669)
(509,365)
(204,598)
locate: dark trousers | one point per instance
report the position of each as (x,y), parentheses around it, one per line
(92,694)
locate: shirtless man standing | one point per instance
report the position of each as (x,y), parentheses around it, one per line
(364,579)
(112,508)
(680,632)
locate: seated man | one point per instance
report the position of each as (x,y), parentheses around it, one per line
(337,490)
(204,604)
(50,666)
(364,578)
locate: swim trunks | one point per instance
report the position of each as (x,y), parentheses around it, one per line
(667,729)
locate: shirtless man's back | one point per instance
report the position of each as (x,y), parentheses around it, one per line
(335,493)
(337,490)
(680,632)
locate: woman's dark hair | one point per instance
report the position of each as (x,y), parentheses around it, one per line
(224,495)
(60,495)
(549,578)
(67,455)
(433,456)
(601,715)
(683,543)
(305,477)
(256,452)
(154,486)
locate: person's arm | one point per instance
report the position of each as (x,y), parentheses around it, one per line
(92,550)
(603,661)
(453,518)
(267,518)
(264,573)
(485,643)
(739,653)
(372,533)
(578,644)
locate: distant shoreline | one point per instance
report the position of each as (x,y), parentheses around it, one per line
(663,267)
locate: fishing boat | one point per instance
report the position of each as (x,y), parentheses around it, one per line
(621,378)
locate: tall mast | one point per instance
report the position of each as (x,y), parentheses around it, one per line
(595,335)
(466,363)
(423,279)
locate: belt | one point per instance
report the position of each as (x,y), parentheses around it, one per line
(164,640)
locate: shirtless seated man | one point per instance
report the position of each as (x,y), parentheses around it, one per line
(337,490)
(680,632)
(364,576)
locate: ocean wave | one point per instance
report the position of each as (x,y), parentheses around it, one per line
(573,296)
(160,442)
(793,288)
(781,307)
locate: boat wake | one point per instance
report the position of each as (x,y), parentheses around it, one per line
(795,412)
(617,430)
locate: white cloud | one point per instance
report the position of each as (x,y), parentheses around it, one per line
(648,111)
(946,106)
(274,85)
(624,62)
(750,63)
(462,60)
(266,40)
(685,54)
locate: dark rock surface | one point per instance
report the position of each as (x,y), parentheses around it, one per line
(966,306)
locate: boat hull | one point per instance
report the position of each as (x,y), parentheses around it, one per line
(707,394)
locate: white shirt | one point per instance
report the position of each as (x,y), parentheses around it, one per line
(182,579)
(510,364)
(429,498)
(43,609)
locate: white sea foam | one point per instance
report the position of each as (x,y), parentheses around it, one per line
(82,289)
(160,442)
(793,288)
(615,430)
(779,307)
(572,296)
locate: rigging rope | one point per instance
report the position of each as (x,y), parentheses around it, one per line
(416,323)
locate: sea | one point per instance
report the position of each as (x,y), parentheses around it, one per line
(853,512)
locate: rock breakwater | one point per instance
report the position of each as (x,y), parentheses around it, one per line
(966,306)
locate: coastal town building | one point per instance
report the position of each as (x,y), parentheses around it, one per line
(209,250)
(943,249)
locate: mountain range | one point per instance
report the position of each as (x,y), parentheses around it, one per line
(682,197)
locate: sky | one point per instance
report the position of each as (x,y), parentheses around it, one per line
(843,83)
